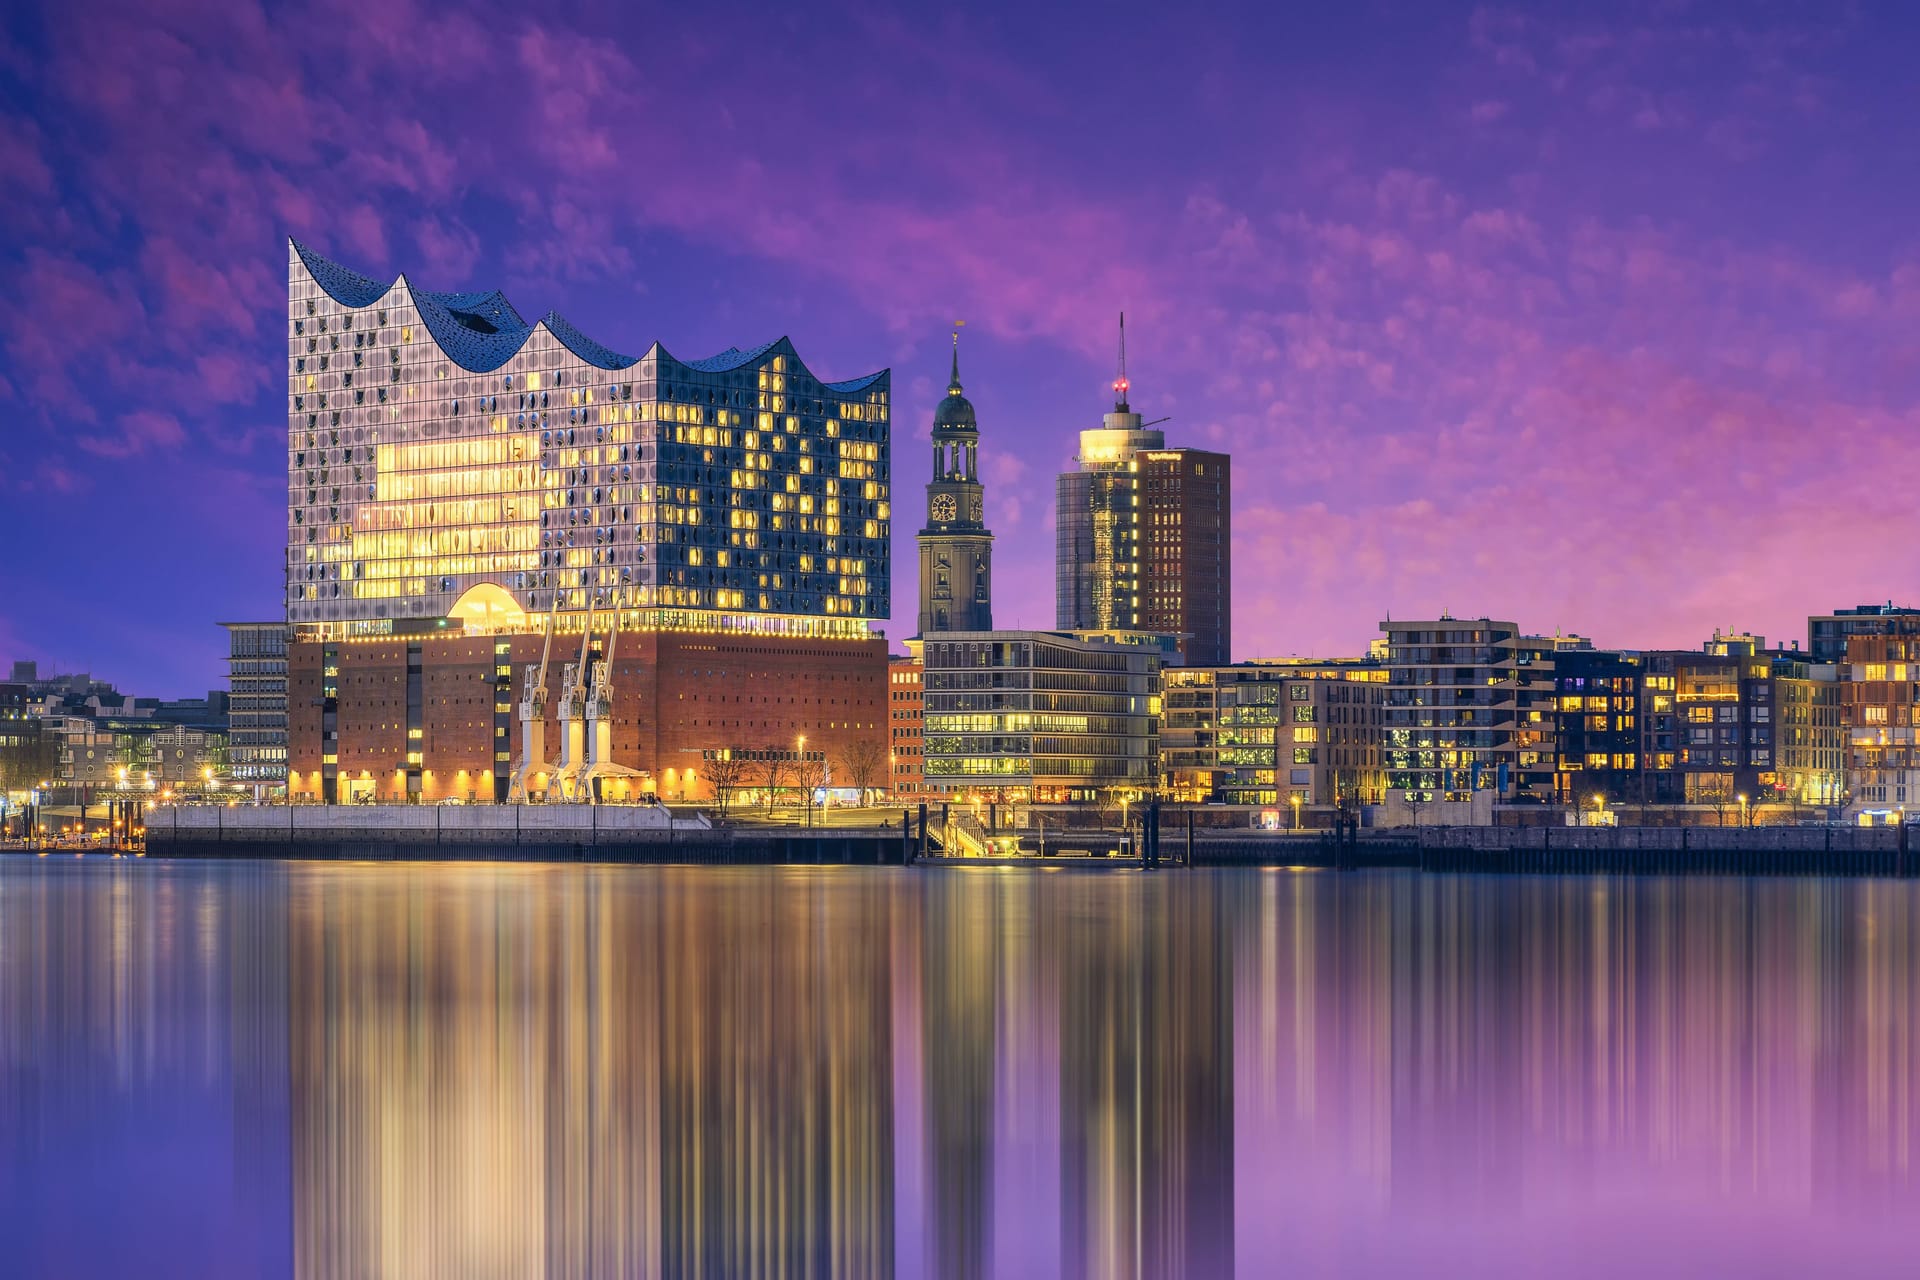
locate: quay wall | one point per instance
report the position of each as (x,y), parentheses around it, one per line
(1821,850)
(612,833)
(508,833)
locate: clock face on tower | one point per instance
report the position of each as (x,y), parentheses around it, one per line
(976,509)
(944,507)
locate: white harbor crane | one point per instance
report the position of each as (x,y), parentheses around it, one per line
(565,782)
(533,724)
(600,764)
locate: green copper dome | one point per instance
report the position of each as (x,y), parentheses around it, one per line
(956,411)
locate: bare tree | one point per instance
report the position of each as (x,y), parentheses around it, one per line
(1717,794)
(863,763)
(726,772)
(771,773)
(1793,795)
(811,774)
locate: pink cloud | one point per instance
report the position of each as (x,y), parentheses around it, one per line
(21,159)
(363,233)
(141,431)
(59,479)
(226,377)
(448,248)
(1436,369)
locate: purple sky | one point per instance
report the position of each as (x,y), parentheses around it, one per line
(1604,325)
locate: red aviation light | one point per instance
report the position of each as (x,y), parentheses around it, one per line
(1120,385)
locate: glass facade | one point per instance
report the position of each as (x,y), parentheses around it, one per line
(1096,551)
(1450,707)
(1033,715)
(257,701)
(1142,539)
(437,441)
(1097,528)
(1266,733)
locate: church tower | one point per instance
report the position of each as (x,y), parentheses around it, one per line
(956,551)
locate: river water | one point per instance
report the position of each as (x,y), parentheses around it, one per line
(481,1070)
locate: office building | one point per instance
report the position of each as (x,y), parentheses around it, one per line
(1263,732)
(1302,734)
(956,550)
(906,710)
(1040,716)
(257,703)
(1143,535)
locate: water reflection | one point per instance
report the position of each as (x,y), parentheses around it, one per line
(511,1071)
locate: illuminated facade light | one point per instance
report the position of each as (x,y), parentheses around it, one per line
(437,442)
(1068,718)
(1143,536)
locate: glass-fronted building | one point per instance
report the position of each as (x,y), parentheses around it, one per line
(437,441)
(1143,539)
(257,702)
(1275,732)
(1450,707)
(1039,716)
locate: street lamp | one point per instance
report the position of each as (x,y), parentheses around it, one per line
(1746,819)
(800,776)
(1296,810)
(1599,809)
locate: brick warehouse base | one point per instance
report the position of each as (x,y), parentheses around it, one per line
(451,701)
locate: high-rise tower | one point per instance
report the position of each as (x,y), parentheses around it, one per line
(1143,534)
(956,551)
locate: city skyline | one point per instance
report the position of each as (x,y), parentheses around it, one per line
(1495,312)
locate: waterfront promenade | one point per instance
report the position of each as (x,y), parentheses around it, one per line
(499,833)
(652,834)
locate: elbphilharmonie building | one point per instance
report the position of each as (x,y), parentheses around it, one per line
(438,442)
(708,537)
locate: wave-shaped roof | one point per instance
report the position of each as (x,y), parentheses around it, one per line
(481,331)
